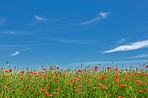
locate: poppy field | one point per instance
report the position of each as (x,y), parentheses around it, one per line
(89,82)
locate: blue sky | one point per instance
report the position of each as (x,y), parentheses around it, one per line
(70,32)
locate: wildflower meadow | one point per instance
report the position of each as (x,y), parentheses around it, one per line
(89,82)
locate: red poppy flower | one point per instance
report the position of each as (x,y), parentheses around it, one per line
(104,86)
(47,94)
(27,87)
(10,70)
(71,80)
(140,91)
(122,85)
(138,81)
(142,71)
(108,67)
(96,67)
(45,89)
(116,69)
(133,74)
(20,88)
(23,72)
(140,64)
(33,73)
(6,71)
(103,77)
(137,68)
(80,86)
(61,69)
(125,69)
(88,70)
(13,91)
(48,87)
(100,84)
(117,78)
(44,68)
(21,78)
(79,71)
(5,87)
(57,67)
(95,70)
(76,90)
(126,79)
(146,66)
(79,79)
(143,83)
(81,90)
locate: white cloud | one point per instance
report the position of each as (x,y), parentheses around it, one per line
(39,18)
(104,14)
(2,20)
(132,46)
(15,54)
(99,17)
(140,56)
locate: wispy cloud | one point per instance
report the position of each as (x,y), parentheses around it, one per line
(102,15)
(70,41)
(132,46)
(2,20)
(121,41)
(40,18)
(15,32)
(7,46)
(15,54)
(18,52)
(25,49)
(142,29)
(8,32)
(140,56)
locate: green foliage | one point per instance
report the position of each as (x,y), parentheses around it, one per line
(83,83)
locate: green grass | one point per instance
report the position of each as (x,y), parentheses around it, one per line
(82,83)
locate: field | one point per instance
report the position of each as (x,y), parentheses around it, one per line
(89,82)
